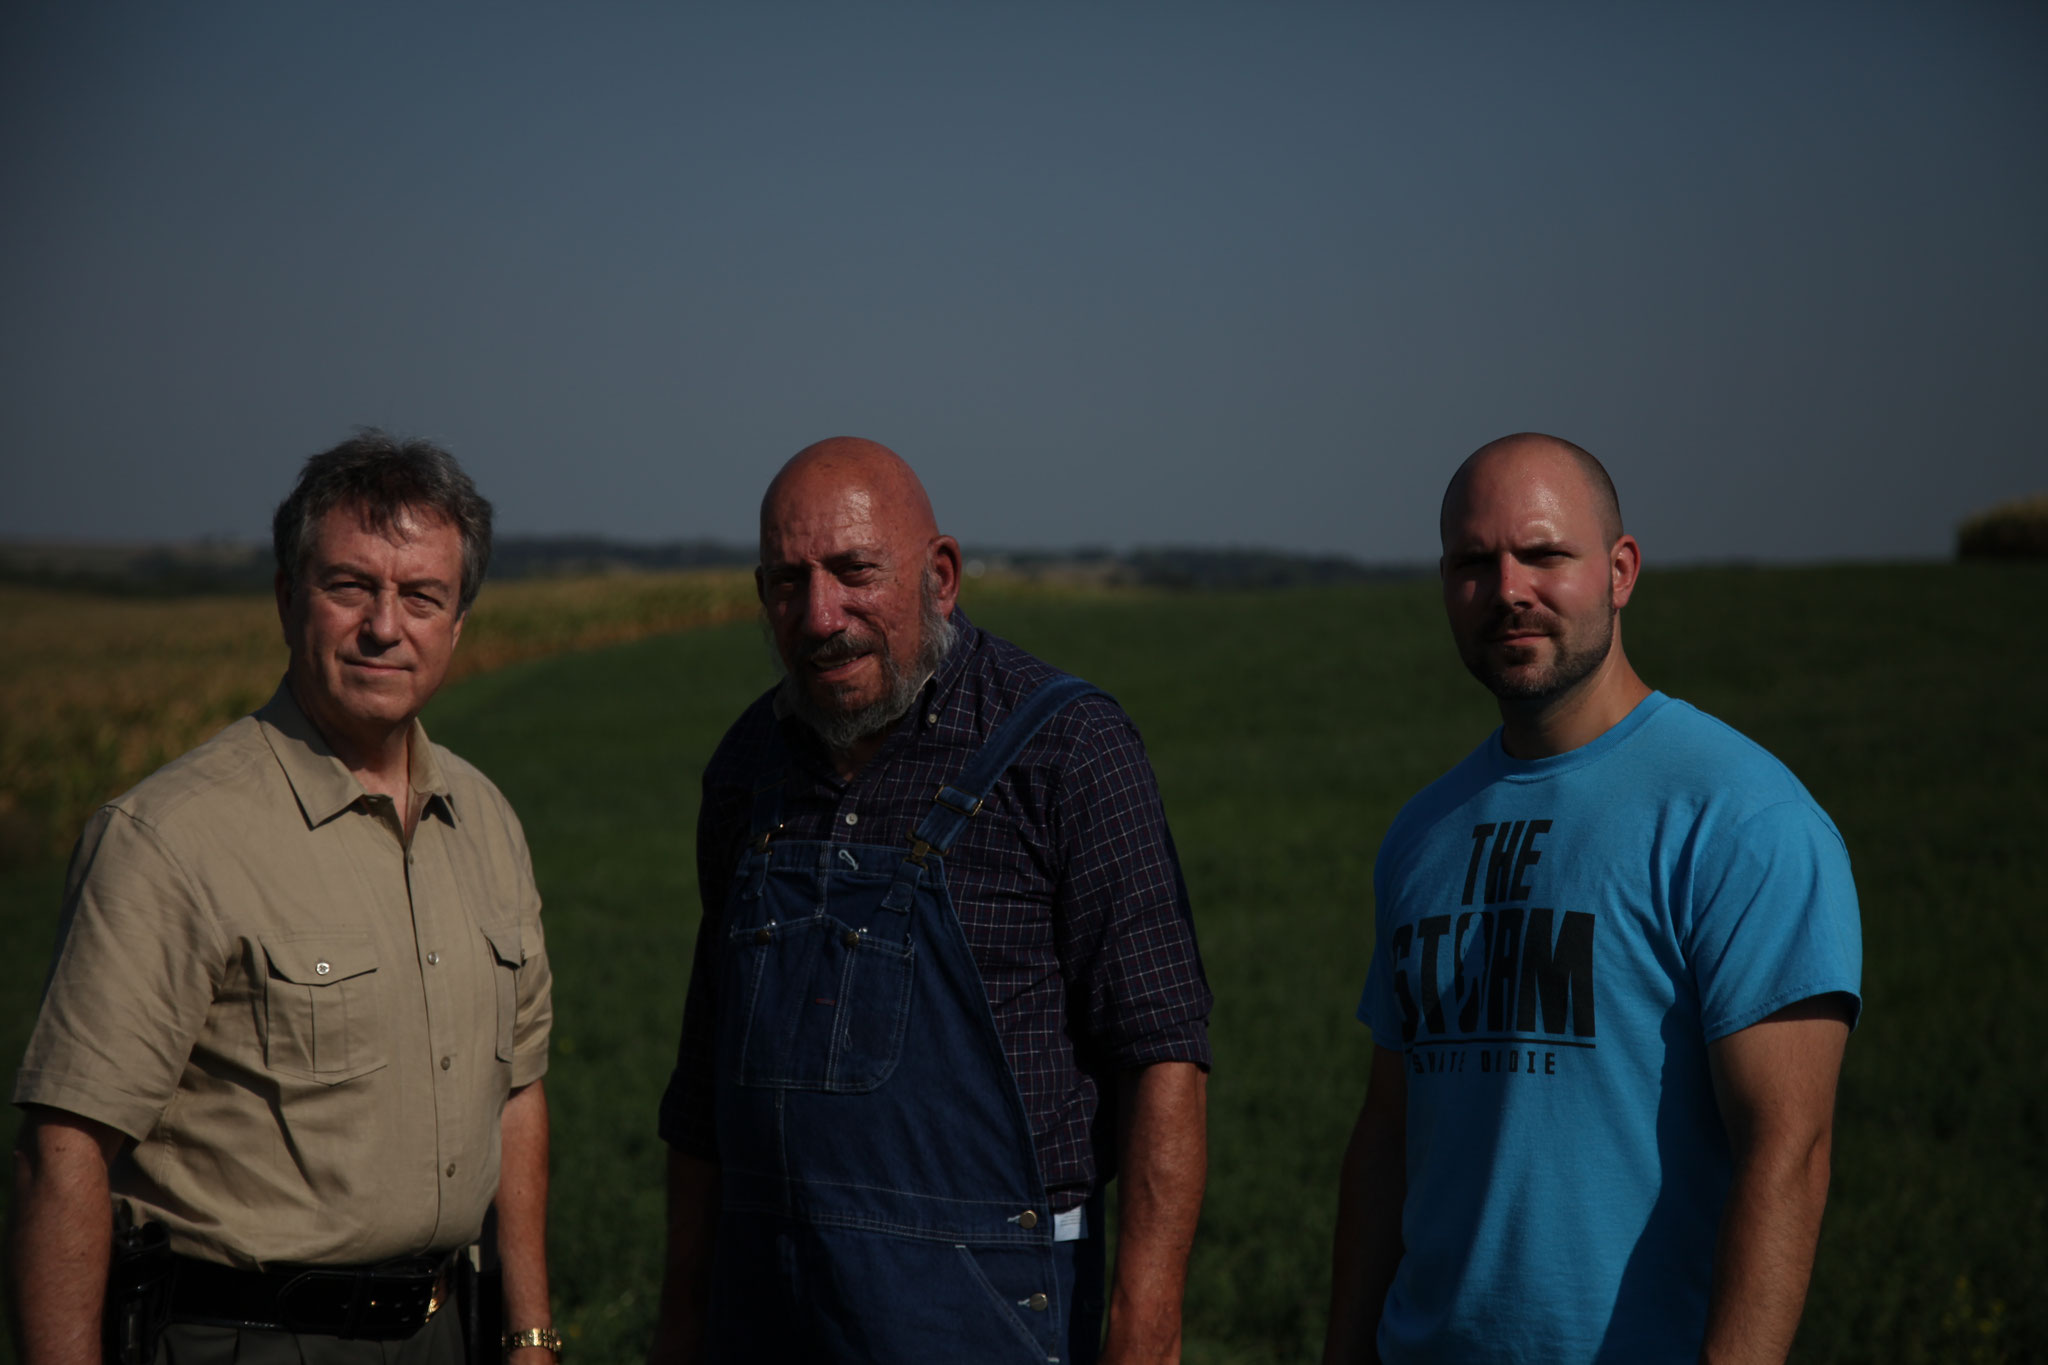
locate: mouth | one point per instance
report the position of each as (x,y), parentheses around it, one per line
(836,658)
(1519,630)
(837,668)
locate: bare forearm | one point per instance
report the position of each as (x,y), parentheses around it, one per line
(693,1199)
(523,1215)
(1775,1084)
(1765,1256)
(61,1239)
(1165,1164)
(1367,1247)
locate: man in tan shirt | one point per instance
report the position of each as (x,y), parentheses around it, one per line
(299,1008)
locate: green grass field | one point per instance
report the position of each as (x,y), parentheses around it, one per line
(1287,729)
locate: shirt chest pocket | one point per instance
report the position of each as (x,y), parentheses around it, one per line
(504,955)
(321,1020)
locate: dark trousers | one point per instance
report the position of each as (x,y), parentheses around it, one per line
(185,1343)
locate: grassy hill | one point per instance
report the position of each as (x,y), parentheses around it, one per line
(1287,729)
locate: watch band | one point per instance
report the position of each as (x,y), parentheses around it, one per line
(547,1338)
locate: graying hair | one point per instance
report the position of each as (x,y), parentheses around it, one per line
(384,477)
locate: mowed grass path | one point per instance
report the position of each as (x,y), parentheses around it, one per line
(1287,729)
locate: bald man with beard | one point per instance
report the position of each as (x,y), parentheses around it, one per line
(1616,963)
(946,983)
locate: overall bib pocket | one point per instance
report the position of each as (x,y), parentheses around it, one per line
(825,1004)
(320,1016)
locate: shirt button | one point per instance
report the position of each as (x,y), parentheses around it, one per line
(852,819)
(1037,1303)
(932,719)
(433,959)
(322,968)
(451,1176)
(1027,1220)
(447,1062)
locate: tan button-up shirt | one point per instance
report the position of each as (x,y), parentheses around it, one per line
(308,1028)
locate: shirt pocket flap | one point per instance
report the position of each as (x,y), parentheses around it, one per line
(320,961)
(504,939)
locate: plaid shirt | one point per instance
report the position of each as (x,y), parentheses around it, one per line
(1066,885)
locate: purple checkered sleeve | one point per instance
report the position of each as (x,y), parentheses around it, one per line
(1066,885)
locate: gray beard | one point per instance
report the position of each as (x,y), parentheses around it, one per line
(841,730)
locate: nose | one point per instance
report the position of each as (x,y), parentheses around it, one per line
(1512,581)
(380,622)
(822,610)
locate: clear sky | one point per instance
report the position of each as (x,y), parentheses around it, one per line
(1106,273)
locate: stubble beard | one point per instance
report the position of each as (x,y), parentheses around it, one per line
(1573,661)
(842,729)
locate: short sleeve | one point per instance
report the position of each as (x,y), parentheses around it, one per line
(687,1121)
(1773,918)
(130,983)
(1123,909)
(1376,1009)
(534,1021)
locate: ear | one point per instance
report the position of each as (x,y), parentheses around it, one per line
(1624,562)
(944,567)
(760,586)
(282,586)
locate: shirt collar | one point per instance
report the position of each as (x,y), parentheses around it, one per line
(322,782)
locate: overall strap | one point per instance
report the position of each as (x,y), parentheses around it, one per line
(764,817)
(959,799)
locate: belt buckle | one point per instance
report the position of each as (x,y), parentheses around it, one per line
(382,1304)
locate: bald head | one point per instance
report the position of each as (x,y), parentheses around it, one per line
(1533,452)
(858,587)
(848,469)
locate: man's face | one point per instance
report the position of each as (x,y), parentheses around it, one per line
(372,621)
(1531,585)
(843,585)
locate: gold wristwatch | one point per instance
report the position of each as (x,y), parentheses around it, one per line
(547,1338)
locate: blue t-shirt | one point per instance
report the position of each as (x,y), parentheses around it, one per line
(1557,943)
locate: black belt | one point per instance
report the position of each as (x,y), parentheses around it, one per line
(386,1302)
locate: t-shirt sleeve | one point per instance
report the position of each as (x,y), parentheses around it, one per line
(1773,919)
(1376,1006)
(130,982)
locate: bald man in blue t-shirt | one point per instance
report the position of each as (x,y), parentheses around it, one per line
(1617,960)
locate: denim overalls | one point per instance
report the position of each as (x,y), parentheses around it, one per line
(881,1192)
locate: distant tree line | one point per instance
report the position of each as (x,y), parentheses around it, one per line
(2011,530)
(215,565)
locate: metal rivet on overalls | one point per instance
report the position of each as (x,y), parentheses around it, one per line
(1027,1220)
(322,968)
(763,936)
(850,937)
(1037,1303)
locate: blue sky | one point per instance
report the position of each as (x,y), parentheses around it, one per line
(1124,274)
